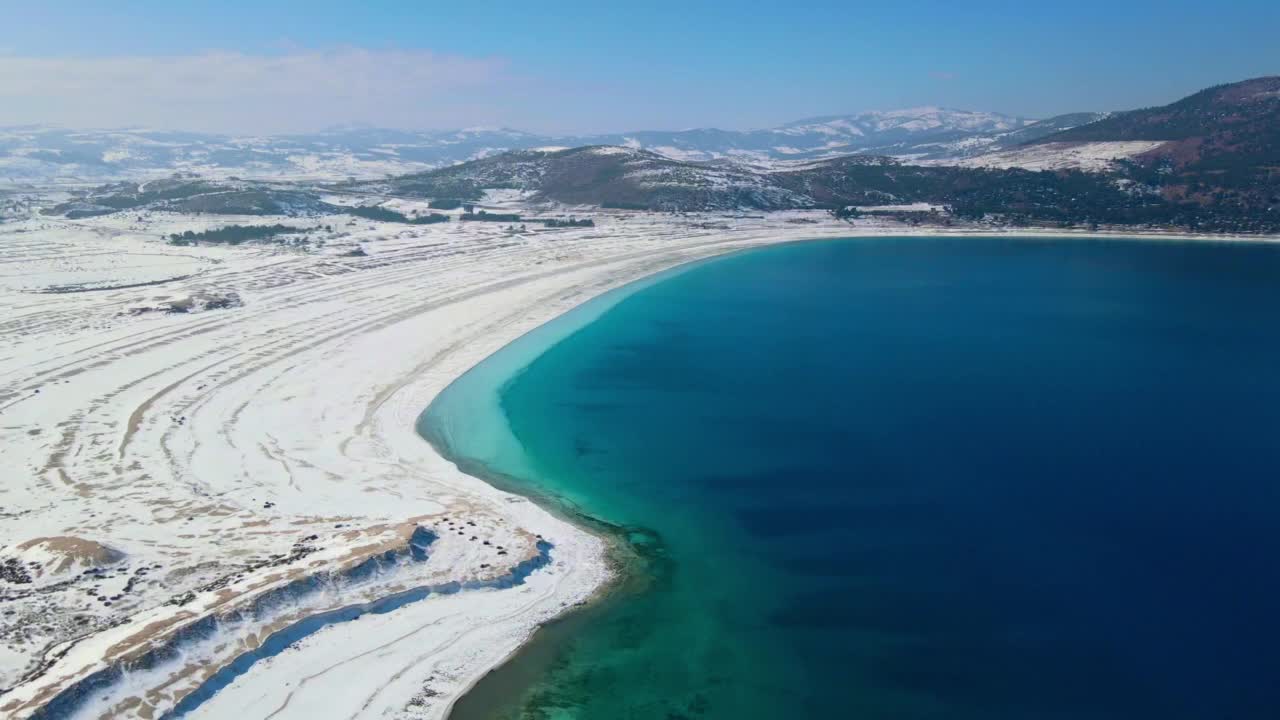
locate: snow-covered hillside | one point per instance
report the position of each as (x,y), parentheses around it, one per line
(1090,156)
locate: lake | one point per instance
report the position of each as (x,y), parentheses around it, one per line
(905,478)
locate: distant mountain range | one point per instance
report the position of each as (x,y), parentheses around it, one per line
(1208,162)
(915,133)
(924,134)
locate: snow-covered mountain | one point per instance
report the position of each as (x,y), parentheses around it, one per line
(37,153)
(884,127)
(897,132)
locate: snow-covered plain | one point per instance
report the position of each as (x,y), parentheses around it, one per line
(168,459)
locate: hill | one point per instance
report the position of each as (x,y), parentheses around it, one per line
(1219,117)
(192,195)
(604,175)
(1218,147)
(611,176)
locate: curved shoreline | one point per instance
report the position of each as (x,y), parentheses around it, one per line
(223,411)
(581,416)
(228,405)
(616,547)
(526,348)
(559,327)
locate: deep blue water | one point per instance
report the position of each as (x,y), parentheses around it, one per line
(919,478)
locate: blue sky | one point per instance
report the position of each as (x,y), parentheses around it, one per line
(596,66)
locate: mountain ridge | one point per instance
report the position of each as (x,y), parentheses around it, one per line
(42,152)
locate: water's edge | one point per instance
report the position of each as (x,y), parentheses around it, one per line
(631,552)
(470,404)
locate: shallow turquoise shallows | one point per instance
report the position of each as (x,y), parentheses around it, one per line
(905,478)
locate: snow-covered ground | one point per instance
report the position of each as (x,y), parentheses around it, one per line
(1091,156)
(186,430)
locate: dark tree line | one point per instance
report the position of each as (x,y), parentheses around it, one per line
(231,234)
(381,214)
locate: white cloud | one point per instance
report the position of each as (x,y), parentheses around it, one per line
(235,92)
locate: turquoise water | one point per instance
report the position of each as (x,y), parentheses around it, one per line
(906,478)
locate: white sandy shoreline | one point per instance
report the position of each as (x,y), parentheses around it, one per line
(197,446)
